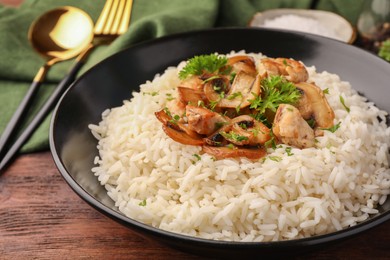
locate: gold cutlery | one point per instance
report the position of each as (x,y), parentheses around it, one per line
(112,22)
(53,36)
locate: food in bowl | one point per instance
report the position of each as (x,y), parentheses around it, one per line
(289,192)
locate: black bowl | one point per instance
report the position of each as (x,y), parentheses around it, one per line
(111,81)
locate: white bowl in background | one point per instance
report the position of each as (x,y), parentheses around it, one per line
(342,30)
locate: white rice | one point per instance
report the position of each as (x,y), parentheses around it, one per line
(160,182)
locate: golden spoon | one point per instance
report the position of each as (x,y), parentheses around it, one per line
(57,35)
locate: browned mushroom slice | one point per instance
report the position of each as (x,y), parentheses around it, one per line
(175,124)
(242,63)
(182,137)
(216,139)
(248,131)
(235,152)
(292,70)
(191,96)
(313,105)
(215,88)
(243,89)
(204,121)
(166,119)
(290,128)
(193,82)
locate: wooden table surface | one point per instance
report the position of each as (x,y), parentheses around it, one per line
(42,218)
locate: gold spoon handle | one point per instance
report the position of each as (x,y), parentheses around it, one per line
(41,115)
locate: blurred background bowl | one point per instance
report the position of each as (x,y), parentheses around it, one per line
(312,21)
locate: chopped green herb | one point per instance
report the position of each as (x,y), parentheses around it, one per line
(238,108)
(169,96)
(255,132)
(343,103)
(275,158)
(175,119)
(142,203)
(384,50)
(234,136)
(276,90)
(166,110)
(197,156)
(234,95)
(271,142)
(262,118)
(216,88)
(232,77)
(201,104)
(333,128)
(204,63)
(230,146)
(288,151)
(243,125)
(311,122)
(155,93)
(326,91)
(220,124)
(213,104)
(211,78)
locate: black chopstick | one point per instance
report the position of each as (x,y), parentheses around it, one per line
(40,116)
(17,117)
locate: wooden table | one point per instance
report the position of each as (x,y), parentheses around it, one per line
(42,218)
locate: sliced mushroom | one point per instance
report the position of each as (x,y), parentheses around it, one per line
(235,152)
(313,105)
(182,137)
(248,131)
(292,70)
(193,82)
(242,90)
(216,139)
(191,96)
(215,88)
(204,121)
(242,63)
(290,128)
(177,125)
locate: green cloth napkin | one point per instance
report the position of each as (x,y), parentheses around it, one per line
(150,19)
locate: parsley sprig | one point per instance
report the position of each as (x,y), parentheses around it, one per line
(384,51)
(205,63)
(276,90)
(234,136)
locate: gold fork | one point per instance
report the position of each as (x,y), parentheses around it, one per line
(112,22)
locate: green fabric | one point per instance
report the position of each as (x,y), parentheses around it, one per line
(150,19)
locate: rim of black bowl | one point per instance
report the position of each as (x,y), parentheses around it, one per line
(139,226)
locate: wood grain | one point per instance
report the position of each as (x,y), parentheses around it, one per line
(42,218)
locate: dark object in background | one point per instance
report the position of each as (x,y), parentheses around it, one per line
(374,25)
